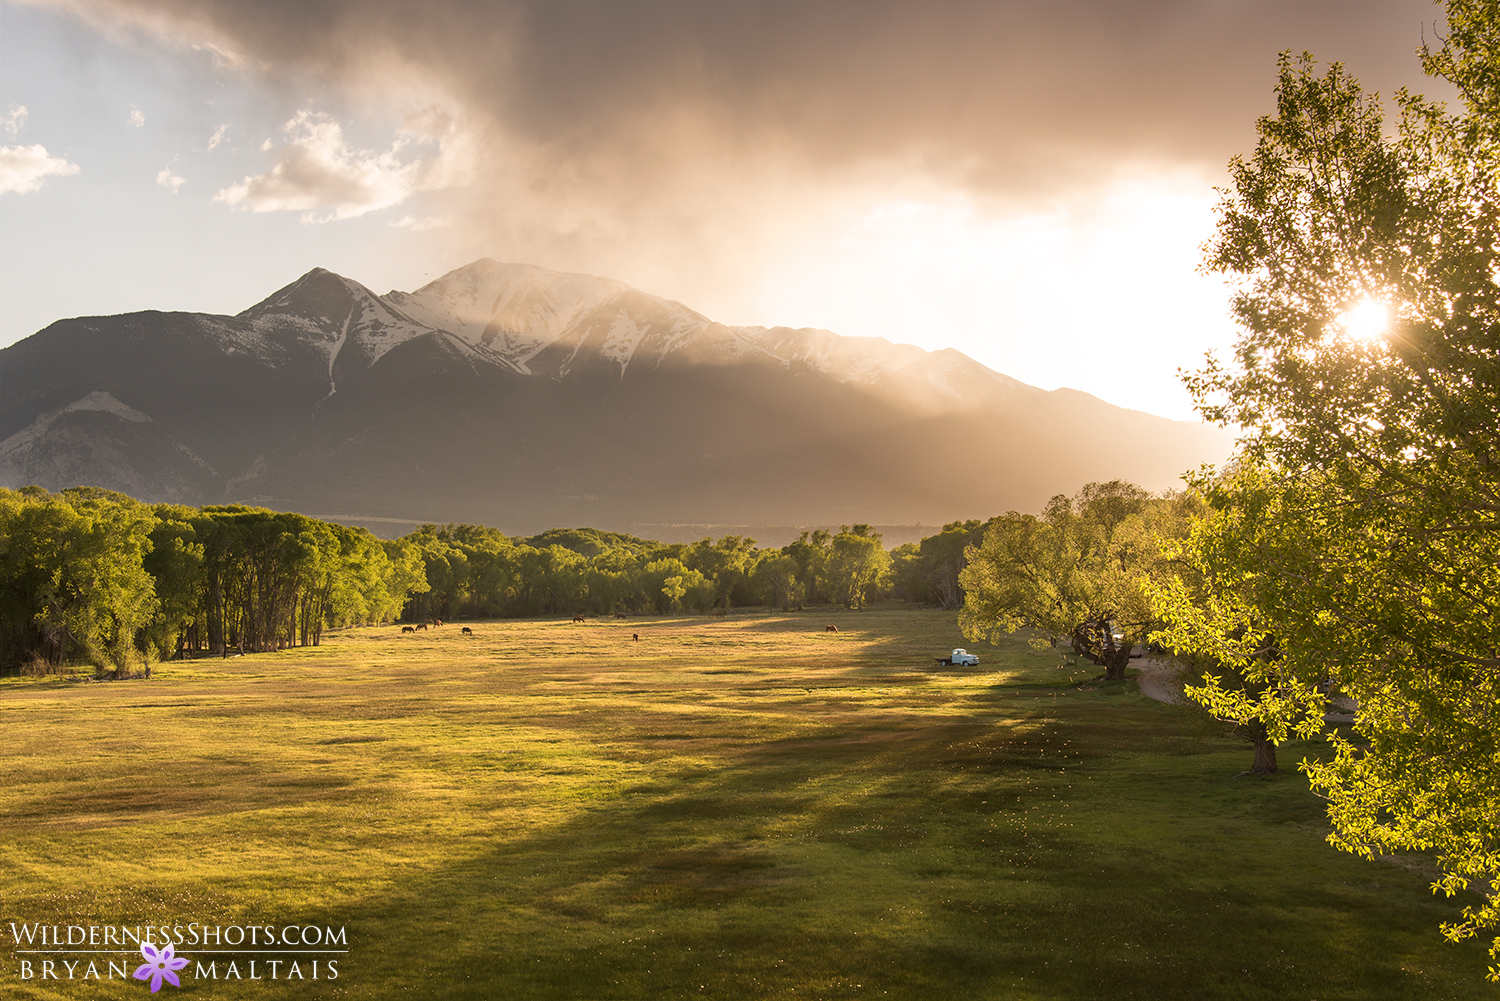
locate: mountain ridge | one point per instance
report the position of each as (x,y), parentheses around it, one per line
(527,398)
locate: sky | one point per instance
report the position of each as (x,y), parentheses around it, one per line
(1030,183)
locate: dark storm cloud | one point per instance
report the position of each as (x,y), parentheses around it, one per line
(993,95)
(695,147)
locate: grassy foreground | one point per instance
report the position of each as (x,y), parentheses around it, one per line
(745,807)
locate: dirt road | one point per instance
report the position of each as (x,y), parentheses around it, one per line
(1158,679)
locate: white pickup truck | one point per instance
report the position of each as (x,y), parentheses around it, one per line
(959,658)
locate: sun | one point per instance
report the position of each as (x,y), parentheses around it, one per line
(1366,320)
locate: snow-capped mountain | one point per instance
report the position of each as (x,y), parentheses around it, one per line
(542,322)
(528,398)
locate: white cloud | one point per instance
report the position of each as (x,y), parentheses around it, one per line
(14,119)
(223,58)
(24,169)
(417,225)
(320,175)
(137,116)
(216,138)
(167,179)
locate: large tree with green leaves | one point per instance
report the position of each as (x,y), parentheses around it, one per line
(856,566)
(1076,573)
(72,581)
(1356,537)
(928,571)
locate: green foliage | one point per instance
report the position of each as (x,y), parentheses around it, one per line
(1356,539)
(857,566)
(476,572)
(588,542)
(776,577)
(1085,562)
(94,576)
(727,563)
(74,582)
(810,552)
(244,578)
(929,572)
(175,563)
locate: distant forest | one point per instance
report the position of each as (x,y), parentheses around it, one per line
(92,576)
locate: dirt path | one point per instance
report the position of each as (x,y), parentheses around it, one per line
(1157,679)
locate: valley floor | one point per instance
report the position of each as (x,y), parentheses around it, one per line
(741,807)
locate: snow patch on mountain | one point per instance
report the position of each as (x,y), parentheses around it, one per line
(517,311)
(556,325)
(621,339)
(513,313)
(97,400)
(332,315)
(100,400)
(239,338)
(512,310)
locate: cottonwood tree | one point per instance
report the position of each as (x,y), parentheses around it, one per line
(73,575)
(929,569)
(1358,530)
(777,575)
(810,552)
(1078,572)
(91,575)
(856,565)
(726,563)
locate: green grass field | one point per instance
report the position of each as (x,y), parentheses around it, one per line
(742,807)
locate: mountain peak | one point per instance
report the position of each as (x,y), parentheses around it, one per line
(319,295)
(523,397)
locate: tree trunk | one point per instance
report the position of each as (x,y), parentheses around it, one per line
(1265,750)
(1265,757)
(1116,660)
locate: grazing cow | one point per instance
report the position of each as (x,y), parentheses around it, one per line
(467,631)
(579,618)
(830,629)
(636,637)
(407,629)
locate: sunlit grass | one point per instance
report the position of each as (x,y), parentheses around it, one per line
(735,807)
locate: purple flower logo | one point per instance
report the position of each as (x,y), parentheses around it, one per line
(159,966)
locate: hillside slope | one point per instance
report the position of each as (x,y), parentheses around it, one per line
(527,399)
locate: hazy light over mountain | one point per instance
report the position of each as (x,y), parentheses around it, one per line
(1026,182)
(516,396)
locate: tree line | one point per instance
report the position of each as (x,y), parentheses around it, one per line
(477,572)
(93,576)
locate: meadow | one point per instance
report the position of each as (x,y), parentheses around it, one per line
(738,807)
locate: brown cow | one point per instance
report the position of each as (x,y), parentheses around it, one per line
(830,629)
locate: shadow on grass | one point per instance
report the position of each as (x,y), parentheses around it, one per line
(1053,853)
(853,826)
